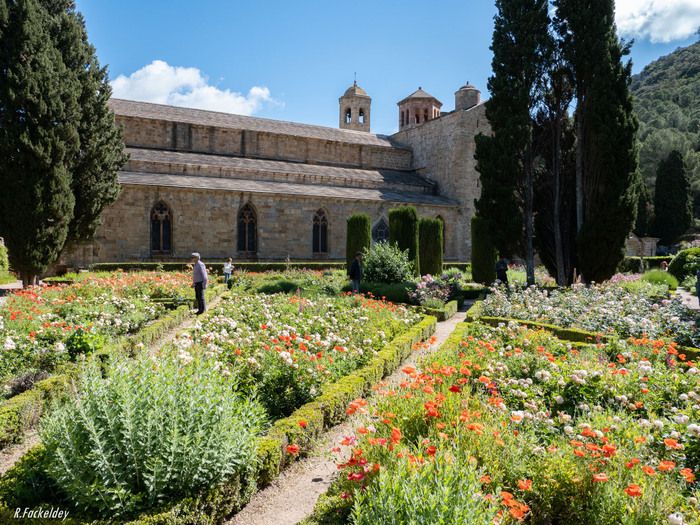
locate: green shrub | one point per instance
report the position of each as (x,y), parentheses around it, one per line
(394,292)
(641,264)
(279,286)
(661,277)
(359,235)
(386,263)
(84,342)
(403,232)
(152,431)
(483,252)
(4,261)
(685,263)
(430,244)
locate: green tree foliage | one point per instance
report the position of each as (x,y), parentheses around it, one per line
(672,206)
(667,102)
(4,261)
(403,232)
(385,263)
(484,252)
(59,145)
(606,133)
(359,235)
(645,212)
(685,263)
(430,242)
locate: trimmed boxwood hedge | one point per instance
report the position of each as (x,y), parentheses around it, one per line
(277,266)
(26,485)
(444,313)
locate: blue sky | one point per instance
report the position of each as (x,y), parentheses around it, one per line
(291,60)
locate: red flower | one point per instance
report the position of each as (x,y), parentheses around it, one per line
(303,423)
(633,491)
(293,449)
(524,484)
(601,477)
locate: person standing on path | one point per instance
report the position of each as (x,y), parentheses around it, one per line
(199,282)
(355,272)
(228,269)
(502,270)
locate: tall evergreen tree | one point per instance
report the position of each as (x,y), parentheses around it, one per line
(607,178)
(506,160)
(672,202)
(83,152)
(38,138)
(645,212)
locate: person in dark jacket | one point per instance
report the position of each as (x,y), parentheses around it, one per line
(199,282)
(355,272)
(502,270)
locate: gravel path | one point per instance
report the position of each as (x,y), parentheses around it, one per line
(688,299)
(11,454)
(292,496)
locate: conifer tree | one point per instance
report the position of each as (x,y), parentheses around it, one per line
(39,117)
(84,151)
(672,203)
(607,177)
(521,45)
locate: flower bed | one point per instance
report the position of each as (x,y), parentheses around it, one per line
(506,424)
(44,327)
(260,321)
(604,309)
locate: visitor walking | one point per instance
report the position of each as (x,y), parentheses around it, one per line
(355,272)
(228,268)
(502,270)
(199,282)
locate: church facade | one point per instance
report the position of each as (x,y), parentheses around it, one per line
(259,189)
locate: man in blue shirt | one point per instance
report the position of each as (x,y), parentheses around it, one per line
(199,282)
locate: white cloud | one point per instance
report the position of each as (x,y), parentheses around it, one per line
(162,83)
(658,20)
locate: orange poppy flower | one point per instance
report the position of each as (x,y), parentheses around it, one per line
(524,484)
(633,491)
(601,477)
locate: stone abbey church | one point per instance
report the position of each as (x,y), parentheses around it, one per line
(259,189)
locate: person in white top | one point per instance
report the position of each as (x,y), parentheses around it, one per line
(228,268)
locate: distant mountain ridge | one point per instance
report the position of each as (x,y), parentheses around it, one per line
(667,102)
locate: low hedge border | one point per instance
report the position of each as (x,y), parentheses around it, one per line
(573,335)
(221,501)
(20,413)
(444,313)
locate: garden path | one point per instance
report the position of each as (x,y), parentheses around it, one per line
(5,288)
(688,299)
(292,496)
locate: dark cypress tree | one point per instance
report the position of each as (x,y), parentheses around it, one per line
(403,231)
(607,177)
(430,242)
(484,252)
(92,162)
(643,225)
(506,160)
(359,235)
(39,117)
(672,201)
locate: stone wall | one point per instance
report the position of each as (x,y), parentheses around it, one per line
(163,134)
(205,221)
(443,151)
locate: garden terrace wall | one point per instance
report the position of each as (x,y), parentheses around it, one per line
(20,413)
(329,409)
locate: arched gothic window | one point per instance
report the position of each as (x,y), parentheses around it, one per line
(161,229)
(402,119)
(320,232)
(247,230)
(348,116)
(380,232)
(362,116)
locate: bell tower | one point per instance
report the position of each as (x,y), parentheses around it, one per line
(355,107)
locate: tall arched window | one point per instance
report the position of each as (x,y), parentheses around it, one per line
(320,232)
(380,232)
(348,116)
(362,116)
(161,229)
(247,230)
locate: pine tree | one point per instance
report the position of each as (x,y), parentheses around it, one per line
(92,149)
(607,177)
(506,160)
(38,138)
(672,202)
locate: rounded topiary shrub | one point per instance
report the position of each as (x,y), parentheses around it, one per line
(685,263)
(153,430)
(661,277)
(386,263)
